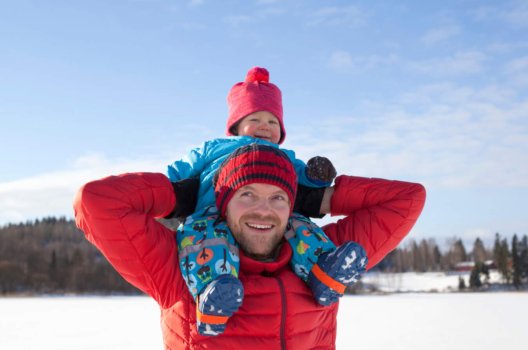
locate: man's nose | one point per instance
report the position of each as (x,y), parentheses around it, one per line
(262,206)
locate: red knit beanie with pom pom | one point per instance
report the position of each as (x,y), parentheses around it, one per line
(254,163)
(255,94)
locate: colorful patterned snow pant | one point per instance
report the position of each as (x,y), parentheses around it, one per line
(207,248)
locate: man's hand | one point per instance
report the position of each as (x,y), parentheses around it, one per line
(320,169)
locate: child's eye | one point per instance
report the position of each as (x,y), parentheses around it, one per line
(273,122)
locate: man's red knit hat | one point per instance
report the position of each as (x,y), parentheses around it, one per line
(254,163)
(254,95)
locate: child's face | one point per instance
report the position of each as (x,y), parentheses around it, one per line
(263,125)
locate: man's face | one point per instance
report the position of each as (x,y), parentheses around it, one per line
(257,216)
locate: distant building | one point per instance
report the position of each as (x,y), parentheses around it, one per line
(465,266)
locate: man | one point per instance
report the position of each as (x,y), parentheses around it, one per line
(118,215)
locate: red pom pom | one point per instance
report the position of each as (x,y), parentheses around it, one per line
(257,74)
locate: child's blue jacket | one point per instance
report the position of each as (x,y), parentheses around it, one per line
(204,161)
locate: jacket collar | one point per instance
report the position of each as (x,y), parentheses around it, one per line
(250,266)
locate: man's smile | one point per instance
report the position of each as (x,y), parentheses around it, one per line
(260,226)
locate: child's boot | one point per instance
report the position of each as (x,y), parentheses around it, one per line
(216,303)
(336,270)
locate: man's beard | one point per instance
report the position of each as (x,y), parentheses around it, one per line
(258,247)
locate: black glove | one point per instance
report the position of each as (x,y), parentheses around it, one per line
(186,192)
(308,201)
(320,169)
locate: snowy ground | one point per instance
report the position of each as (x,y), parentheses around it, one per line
(469,321)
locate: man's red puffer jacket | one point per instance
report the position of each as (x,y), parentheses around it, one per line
(118,214)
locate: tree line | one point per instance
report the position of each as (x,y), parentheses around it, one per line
(509,258)
(52,256)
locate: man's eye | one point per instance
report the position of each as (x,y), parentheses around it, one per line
(246,194)
(279,198)
(273,122)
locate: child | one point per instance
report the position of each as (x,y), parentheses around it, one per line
(208,252)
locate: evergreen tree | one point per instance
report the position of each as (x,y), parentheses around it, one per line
(501,255)
(484,270)
(456,254)
(479,252)
(524,257)
(506,269)
(461,283)
(53,268)
(474,277)
(398,258)
(496,248)
(516,262)
(417,260)
(437,258)
(426,256)
(460,251)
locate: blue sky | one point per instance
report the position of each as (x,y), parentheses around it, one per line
(432,92)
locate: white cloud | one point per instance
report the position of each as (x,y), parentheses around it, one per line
(514,13)
(343,61)
(338,16)
(517,15)
(263,14)
(445,135)
(483,13)
(517,72)
(52,194)
(507,47)
(461,63)
(237,20)
(517,65)
(196,2)
(267,2)
(437,35)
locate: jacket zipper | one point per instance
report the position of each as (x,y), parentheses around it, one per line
(283,314)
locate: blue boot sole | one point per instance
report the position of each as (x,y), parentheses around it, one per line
(222,297)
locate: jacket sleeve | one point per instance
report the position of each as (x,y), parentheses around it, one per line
(189,166)
(118,215)
(378,213)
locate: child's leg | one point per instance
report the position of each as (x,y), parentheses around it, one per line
(327,270)
(308,242)
(209,263)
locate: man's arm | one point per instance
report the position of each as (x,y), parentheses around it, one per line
(117,214)
(379,213)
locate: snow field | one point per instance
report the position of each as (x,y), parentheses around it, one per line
(469,321)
